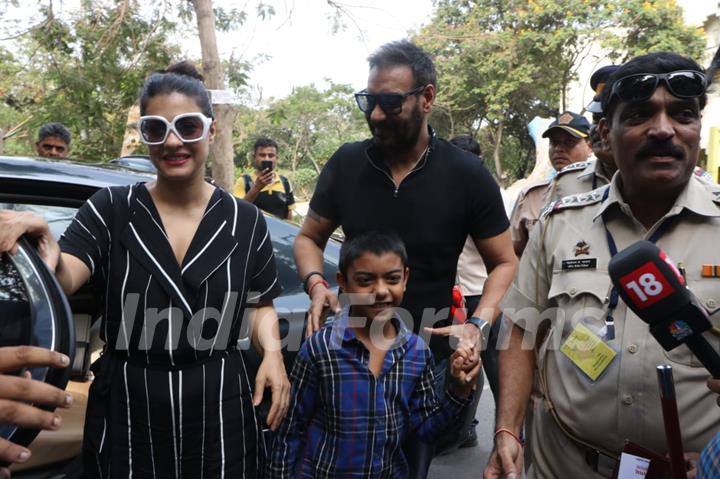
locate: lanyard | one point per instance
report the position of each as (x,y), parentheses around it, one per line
(614,295)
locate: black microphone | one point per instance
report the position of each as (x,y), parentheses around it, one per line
(651,285)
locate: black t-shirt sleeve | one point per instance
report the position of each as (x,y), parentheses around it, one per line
(325,200)
(486,210)
(264,284)
(88,236)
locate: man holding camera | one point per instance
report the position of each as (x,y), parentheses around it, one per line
(269,191)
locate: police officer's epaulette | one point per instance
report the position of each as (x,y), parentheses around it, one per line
(535,185)
(580,165)
(574,201)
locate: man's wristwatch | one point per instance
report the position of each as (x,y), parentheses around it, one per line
(484,327)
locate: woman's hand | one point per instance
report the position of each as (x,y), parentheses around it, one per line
(272,374)
(14,224)
(17,391)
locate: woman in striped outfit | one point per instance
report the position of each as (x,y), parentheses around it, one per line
(185,269)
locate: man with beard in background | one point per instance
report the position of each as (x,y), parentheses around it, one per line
(433,195)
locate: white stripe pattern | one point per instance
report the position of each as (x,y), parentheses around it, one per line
(153,219)
(129,426)
(172,413)
(204,247)
(92,206)
(264,266)
(222,430)
(172,283)
(212,207)
(147,402)
(122,295)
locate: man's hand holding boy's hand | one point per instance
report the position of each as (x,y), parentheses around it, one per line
(463,368)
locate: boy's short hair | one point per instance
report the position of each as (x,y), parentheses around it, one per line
(375,242)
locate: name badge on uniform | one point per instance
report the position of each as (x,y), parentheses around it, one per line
(582,263)
(588,352)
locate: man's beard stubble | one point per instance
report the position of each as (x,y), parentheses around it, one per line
(402,134)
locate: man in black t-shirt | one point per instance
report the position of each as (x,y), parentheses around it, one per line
(269,191)
(432,194)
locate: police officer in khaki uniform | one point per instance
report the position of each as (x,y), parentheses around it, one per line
(568,136)
(585,176)
(560,294)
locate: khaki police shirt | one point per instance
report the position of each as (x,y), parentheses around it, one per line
(525,213)
(623,403)
(578,178)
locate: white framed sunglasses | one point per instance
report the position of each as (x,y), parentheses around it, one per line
(188,127)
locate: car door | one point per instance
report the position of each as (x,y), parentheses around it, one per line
(33,311)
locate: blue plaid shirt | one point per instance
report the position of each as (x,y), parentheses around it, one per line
(345,423)
(709,465)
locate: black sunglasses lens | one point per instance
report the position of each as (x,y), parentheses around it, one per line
(637,87)
(686,84)
(189,127)
(391,103)
(365,102)
(153,130)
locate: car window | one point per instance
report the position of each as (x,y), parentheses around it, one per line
(58,217)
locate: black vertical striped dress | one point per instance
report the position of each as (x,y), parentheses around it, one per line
(172,397)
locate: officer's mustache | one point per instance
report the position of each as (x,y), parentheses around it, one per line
(664,148)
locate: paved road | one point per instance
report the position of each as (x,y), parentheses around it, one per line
(469,463)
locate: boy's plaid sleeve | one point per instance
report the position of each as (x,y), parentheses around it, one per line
(303,399)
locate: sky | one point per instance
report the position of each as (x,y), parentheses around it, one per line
(302,48)
(294,47)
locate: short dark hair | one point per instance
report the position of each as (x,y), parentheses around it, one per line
(375,242)
(54,129)
(658,62)
(406,53)
(264,143)
(467,143)
(182,78)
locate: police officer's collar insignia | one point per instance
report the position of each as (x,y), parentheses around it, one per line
(582,248)
(580,165)
(574,201)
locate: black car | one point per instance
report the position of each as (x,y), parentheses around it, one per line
(139,163)
(55,189)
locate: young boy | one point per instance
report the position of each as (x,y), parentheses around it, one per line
(364,380)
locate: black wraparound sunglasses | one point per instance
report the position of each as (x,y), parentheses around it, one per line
(641,86)
(390,103)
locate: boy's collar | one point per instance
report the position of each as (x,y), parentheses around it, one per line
(341,331)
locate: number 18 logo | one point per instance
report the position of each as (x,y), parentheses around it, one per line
(646,285)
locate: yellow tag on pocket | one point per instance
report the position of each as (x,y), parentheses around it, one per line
(588,352)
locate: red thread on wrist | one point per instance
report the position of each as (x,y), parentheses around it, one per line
(322,281)
(502,429)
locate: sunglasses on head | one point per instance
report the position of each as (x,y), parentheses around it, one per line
(641,86)
(390,103)
(188,127)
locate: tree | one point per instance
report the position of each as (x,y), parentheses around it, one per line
(84,71)
(308,125)
(503,62)
(221,150)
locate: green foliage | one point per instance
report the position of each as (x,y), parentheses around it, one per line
(308,125)
(654,26)
(503,62)
(85,72)
(303,181)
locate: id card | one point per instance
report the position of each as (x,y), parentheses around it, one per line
(588,352)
